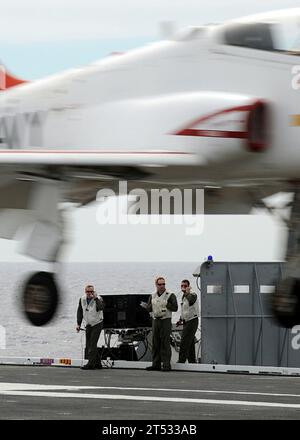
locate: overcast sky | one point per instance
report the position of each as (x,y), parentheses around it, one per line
(38,38)
(42,37)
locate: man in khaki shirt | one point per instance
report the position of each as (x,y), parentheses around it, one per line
(162,303)
(189,317)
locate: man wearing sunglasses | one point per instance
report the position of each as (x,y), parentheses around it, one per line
(90,308)
(162,303)
(190,320)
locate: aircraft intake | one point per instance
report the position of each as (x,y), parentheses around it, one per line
(257,127)
(233,121)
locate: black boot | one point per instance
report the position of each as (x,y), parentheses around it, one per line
(88,367)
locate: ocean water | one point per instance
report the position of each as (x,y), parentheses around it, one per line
(59,338)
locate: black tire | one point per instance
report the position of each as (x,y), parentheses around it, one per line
(286,302)
(40,298)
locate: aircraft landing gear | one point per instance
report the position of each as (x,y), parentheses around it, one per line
(40,298)
(286,300)
(43,241)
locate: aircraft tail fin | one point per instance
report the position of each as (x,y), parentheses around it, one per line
(7,80)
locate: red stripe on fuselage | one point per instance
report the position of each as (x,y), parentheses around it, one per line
(214,133)
(189,131)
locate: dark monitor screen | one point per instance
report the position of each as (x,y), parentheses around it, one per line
(124,311)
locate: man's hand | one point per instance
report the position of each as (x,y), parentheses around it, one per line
(78,328)
(187,290)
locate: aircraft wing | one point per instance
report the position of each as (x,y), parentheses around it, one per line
(33,182)
(59,157)
(83,171)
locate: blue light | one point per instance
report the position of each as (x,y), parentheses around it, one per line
(210,258)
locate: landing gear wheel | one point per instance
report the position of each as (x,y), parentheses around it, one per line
(286,302)
(40,298)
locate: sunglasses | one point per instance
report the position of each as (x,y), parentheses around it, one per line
(161,284)
(89,291)
(184,285)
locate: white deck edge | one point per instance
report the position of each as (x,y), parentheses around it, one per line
(207,368)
